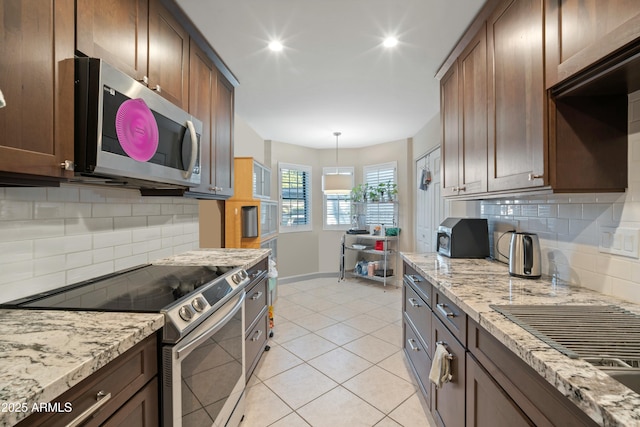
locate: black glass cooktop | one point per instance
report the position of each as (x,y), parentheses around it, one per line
(148,288)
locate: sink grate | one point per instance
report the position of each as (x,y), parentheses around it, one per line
(582,331)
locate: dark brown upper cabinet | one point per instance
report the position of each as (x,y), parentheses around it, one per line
(537,140)
(116,31)
(36,126)
(582,33)
(140,38)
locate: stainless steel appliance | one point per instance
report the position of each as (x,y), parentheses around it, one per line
(463,238)
(524,255)
(127,134)
(202,354)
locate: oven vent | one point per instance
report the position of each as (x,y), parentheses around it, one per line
(167,376)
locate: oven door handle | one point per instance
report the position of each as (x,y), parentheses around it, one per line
(192,344)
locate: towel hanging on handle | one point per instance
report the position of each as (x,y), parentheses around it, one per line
(441,366)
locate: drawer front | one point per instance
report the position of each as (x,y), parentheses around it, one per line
(419,358)
(258,268)
(447,401)
(256,341)
(121,378)
(451,315)
(255,301)
(419,284)
(419,315)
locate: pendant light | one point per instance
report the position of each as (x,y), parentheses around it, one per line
(336,183)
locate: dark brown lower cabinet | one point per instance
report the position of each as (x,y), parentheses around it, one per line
(447,402)
(487,402)
(130,381)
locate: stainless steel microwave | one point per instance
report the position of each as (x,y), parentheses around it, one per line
(127,134)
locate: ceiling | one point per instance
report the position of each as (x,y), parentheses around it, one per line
(334,74)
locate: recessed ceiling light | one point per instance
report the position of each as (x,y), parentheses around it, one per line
(275,46)
(390,42)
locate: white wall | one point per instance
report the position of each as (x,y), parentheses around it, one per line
(247,143)
(52,237)
(568,227)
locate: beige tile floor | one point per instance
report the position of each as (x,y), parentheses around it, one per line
(335,360)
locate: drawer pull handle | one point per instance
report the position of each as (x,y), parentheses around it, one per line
(259,334)
(444,344)
(441,309)
(414,302)
(101,399)
(412,345)
(256,296)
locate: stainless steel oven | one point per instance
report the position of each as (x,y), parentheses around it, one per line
(202,351)
(204,372)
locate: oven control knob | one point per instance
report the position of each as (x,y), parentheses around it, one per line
(236,278)
(243,274)
(185,313)
(198,304)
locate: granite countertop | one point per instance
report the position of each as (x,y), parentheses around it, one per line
(44,353)
(244,258)
(474,284)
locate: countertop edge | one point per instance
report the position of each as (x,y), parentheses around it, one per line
(139,329)
(549,363)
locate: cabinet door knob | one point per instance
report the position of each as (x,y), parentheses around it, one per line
(158,89)
(534,176)
(68,165)
(144,80)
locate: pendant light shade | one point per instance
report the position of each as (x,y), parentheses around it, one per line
(337,183)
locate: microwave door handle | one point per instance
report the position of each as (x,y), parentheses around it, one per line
(194,150)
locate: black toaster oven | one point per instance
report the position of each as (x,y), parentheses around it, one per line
(463,238)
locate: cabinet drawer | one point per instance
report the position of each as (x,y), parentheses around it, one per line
(256,341)
(451,315)
(447,401)
(419,284)
(419,315)
(255,301)
(419,358)
(121,378)
(141,410)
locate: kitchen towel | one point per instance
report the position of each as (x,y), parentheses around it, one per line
(425,179)
(441,367)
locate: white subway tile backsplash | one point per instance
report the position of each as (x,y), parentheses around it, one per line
(32,285)
(99,210)
(130,222)
(13,272)
(48,210)
(75,226)
(146,209)
(131,261)
(78,259)
(61,245)
(16,251)
(113,238)
(26,193)
(63,194)
(48,265)
(85,273)
(10,210)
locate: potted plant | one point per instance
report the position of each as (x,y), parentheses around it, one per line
(373,194)
(357,193)
(381,188)
(392,190)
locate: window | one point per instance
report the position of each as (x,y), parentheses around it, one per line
(337,208)
(380,213)
(294,182)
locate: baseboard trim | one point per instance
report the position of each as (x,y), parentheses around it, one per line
(298,278)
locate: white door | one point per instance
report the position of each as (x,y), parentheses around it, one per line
(429,203)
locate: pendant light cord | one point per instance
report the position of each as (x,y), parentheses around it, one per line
(337,134)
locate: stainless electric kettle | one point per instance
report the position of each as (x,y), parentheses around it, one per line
(524,255)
